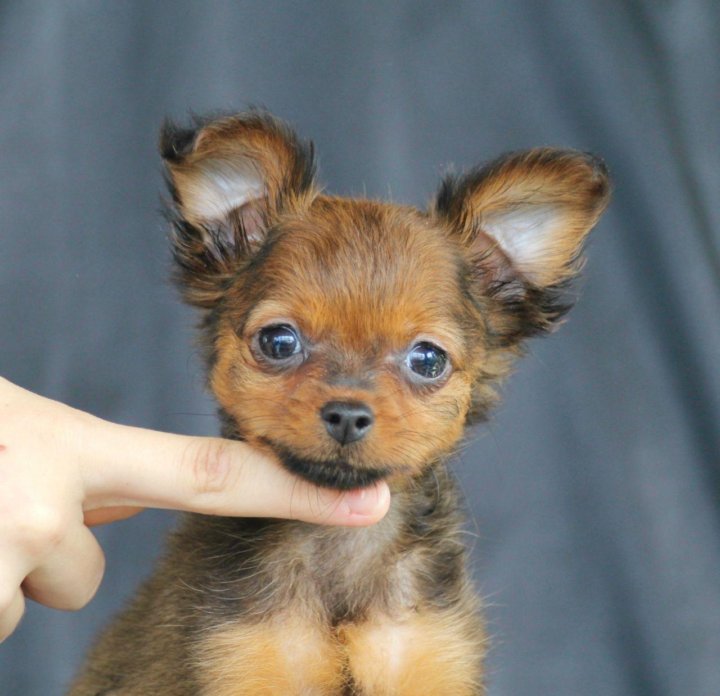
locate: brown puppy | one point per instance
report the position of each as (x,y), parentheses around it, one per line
(354,339)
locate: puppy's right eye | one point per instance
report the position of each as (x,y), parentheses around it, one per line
(279,342)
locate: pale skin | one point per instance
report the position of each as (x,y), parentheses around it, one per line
(63,471)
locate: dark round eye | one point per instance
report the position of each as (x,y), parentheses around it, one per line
(427,360)
(279,342)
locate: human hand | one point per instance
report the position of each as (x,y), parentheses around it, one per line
(62,470)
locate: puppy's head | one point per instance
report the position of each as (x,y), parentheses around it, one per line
(356,338)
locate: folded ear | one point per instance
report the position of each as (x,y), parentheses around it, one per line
(522,221)
(229,179)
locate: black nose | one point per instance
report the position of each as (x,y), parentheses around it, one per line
(347,421)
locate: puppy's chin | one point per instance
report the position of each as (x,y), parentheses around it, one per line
(335,474)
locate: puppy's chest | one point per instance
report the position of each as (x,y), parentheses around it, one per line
(352,574)
(333,574)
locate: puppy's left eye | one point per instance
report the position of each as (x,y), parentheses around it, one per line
(427,360)
(279,342)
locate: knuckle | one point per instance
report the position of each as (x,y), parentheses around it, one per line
(211,466)
(41,527)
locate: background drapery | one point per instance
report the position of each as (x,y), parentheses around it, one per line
(594,492)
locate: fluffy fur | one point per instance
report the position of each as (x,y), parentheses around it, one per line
(248,606)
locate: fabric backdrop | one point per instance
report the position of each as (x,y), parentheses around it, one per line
(594,491)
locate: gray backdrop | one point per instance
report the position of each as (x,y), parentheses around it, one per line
(595,518)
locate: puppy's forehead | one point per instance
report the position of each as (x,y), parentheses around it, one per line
(360,269)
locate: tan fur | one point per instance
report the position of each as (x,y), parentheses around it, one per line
(401,657)
(288,656)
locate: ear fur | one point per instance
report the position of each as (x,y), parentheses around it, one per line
(522,220)
(229,177)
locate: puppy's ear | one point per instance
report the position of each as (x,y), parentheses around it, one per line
(522,221)
(229,179)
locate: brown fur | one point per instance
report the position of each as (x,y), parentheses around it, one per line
(279,607)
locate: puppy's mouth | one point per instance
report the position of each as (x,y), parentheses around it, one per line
(337,474)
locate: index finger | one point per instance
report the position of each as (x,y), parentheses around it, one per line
(127,466)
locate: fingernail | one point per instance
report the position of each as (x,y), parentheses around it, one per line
(367,502)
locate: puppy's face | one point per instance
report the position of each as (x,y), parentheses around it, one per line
(354,338)
(348,347)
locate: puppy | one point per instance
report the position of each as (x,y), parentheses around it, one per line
(354,340)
